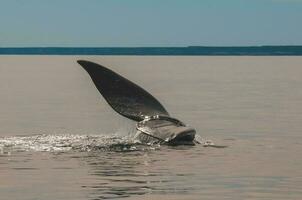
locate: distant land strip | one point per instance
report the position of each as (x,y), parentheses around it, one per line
(158,51)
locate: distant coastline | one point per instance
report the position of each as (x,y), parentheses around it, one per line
(157,51)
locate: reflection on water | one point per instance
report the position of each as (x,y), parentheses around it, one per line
(81,167)
(118,175)
(114,166)
(134,173)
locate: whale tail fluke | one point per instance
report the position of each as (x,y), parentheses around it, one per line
(124,96)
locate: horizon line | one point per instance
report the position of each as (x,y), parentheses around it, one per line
(190,46)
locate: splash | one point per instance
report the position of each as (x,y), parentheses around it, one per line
(81,143)
(70,142)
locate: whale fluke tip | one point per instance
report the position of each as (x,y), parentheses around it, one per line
(83,63)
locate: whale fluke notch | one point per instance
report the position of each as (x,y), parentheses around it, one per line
(124,96)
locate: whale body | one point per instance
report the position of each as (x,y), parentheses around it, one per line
(154,124)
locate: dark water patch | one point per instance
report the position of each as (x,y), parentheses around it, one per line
(216,146)
(24,168)
(62,168)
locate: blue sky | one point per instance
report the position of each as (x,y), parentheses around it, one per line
(106,23)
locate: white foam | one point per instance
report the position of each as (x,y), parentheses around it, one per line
(65,142)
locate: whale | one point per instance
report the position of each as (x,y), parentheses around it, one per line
(154,125)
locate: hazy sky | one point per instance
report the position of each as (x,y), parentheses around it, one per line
(150,22)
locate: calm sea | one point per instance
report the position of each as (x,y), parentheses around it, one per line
(60,140)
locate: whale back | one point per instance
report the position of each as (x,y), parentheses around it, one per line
(124,96)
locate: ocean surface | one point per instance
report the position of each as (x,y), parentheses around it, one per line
(180,51)
(60,140)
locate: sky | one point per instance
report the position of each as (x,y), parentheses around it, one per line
(137,23)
